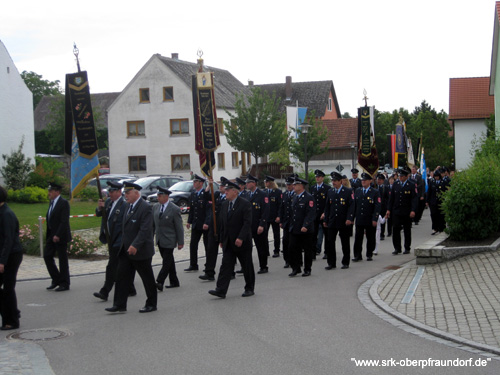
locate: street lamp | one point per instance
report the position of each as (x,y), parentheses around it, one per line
(305,128)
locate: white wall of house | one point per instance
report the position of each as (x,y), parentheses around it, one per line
(466,131)
(158,145)
(16,110)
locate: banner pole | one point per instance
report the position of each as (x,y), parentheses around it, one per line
(212,191)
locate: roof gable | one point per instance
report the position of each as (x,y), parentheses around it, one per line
(470,99)
(342,132)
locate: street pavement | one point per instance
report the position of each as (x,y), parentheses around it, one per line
(323,324)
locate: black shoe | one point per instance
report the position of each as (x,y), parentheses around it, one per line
(100,296)
(191,269)
(263,270)
(52,286)
(294,273)
(382,238)
(207,278)
(390,234)
(62,288)
(133,293)
(406,252)
(325,257)
(395,252)
(233,276)
(276,255)
(286,265)
(306,273)
(356,259)
(318,252)
(115,309)
(344,267)
(330,267)
(239,271)
(147,309)
(432,234)
(369,259)
(217,293)
(8,327)
(172,286)
(159,286)
(248,293)
(416,222)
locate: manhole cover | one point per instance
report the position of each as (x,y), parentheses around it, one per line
(392,267)
(39,335)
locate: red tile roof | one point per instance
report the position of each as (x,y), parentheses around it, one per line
(470,99)
(342,131)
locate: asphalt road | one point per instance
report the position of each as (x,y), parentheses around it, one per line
(313,325)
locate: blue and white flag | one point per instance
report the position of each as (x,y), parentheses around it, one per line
(295,116)
(82,169)
(423,169)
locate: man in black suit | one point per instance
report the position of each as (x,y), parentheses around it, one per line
(384,199)
(58,237)
(355,181)
(417,179)
(136,251)
(275,196)
(284,217)
(319,192)
(111,212)
(236,241)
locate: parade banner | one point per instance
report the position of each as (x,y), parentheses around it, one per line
(367,151)
(400,139)
(423,169)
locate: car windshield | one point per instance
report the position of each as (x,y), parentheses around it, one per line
(145,181)
(182,186)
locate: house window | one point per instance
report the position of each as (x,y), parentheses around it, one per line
(137,164)
(181,163)
(235,161)
(144,95)
(179,126)
(221,160)
(220,125)
(168,94)
(329,104)
(136,129)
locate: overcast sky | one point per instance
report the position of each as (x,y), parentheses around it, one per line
(401,52)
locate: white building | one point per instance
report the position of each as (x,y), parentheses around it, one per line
(16,110)
(151,124)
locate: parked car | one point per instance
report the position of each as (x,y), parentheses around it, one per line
(180,194)
(109,177)
(150,183)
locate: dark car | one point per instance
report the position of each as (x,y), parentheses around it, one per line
(110,177)
(150,183)
(180,194)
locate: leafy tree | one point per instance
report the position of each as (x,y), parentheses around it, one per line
(17,168)
(346,115)
(258,127)
(47,170)
(40,87)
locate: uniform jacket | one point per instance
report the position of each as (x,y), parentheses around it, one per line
(384,198)
(339,207)
(114,223)
(403,199)
(355,185)
(198,208)
(275,197)
(236,224)
(137,230)
(436,188)
(260,209)
(419,181)
(219,199)
(320,198)
(367,206)
(286,209)
(9,234)
(168,229)
(58,222)
(303,213)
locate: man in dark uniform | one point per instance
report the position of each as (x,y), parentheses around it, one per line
(417,179)
(434,199)
(355,181)
(402,207)
(260,216)
(284,217)
(383,189)
(302,229)
(58,237)
(197,221)
(367,210)
(338,218)
(275,196)
(136,251)
(243,193)
(111,212)
(236,241)
(319,192)
(213,241)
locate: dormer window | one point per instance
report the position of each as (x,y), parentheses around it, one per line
(144,95)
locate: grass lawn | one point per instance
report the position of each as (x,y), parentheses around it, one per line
(28,214)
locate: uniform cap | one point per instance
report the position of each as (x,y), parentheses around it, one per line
(162,190)
(114,185)
(319,173)
(336,176)
(131,186)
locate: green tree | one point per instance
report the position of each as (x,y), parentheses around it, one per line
(258,127)
(40,87)
(17,168)
(346,115)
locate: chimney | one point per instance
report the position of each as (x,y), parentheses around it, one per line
(288,88)
(250,83)
(175,56)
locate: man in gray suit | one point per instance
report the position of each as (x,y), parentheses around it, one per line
(169,232)
(136,251)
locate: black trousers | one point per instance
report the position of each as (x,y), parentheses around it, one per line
(262,246)
(8,298)
(196,235)
(125,273)
(111,269)
(276,235)
(229,256)
(401,222)
(437,217)
(302,242)
(59,276)
(420,210)
(320,233)
(331,252)
(286,245)
(167,267)
(212,252)
(371,232)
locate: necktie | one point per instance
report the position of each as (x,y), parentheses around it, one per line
(50,208)
(130,209)
(364,191)
(161,210)
(230,206)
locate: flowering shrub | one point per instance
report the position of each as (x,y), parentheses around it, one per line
(29,238)
(80,247)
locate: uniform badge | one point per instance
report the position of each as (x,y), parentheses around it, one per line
(379,200)
(311,204)
(266,199)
